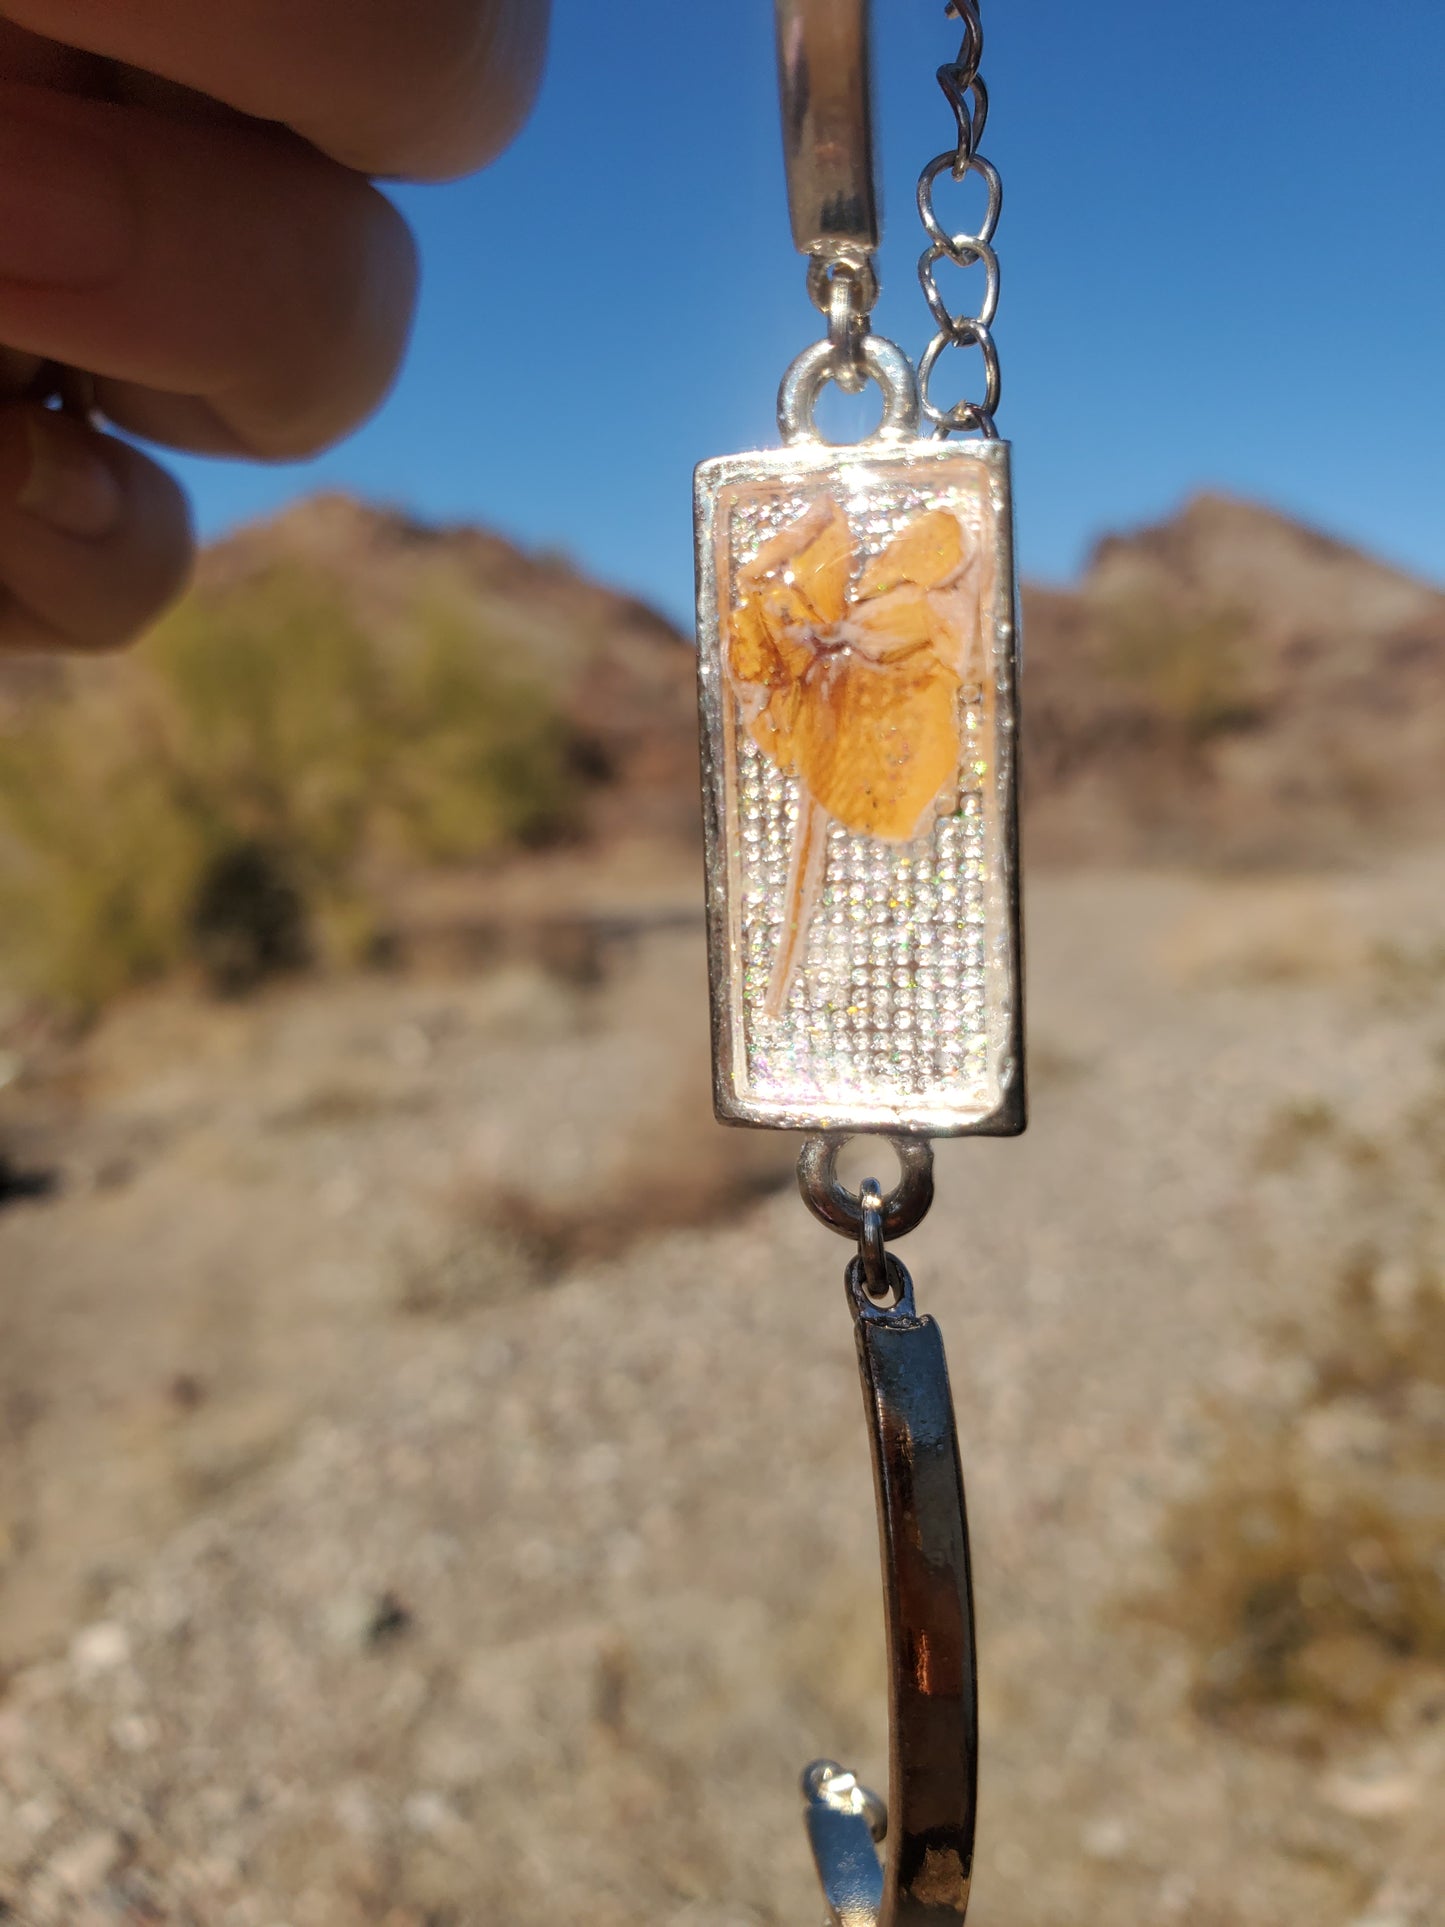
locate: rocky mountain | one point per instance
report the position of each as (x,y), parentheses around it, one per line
(1229,685)
(1226,685)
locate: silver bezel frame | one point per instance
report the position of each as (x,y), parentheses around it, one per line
(809,459)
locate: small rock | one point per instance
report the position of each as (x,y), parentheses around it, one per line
(1419,1702)
(1372,1796)
(430,1814)
(1345,1429)
(100,1648)
(1349,1670)
(356,1811)
(390,1618)
(348,1618)
(134,1733)
(1105,1839)
(84,1864)
(340,1195)
(410,1047)
(35,1817)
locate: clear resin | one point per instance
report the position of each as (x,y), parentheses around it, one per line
(857,651)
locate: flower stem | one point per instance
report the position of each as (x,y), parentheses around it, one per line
(807,865)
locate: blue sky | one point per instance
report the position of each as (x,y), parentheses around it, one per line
(1221,268)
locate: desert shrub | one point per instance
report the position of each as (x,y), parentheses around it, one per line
(1309,1571)
(227,796)
(1188,665)
(248,918)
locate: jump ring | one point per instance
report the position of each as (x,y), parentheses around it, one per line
(847,326)
(896,1296)
(871,1248)
(855,271)
(905,1206)
(817,365)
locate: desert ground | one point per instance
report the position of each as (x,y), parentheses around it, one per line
(435,1490)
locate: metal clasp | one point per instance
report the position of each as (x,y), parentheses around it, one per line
(928,1823)
(826,91)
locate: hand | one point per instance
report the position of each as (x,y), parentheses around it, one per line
(186,215)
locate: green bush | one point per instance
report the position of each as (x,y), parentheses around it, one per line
(228,796)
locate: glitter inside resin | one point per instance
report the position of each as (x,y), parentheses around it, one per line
(857,652)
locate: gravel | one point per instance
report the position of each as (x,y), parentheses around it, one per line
(527,1600)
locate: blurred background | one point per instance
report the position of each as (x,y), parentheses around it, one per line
(433,1487)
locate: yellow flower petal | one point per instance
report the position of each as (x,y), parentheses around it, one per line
(813,557)
(875,743)
(774,728)
(894,624)
(927,553)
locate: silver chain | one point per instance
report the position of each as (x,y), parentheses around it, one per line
(968,97)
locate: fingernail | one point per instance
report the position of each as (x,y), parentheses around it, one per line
(69,486)
(66,216)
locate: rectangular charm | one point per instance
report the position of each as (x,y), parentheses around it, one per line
(857,644)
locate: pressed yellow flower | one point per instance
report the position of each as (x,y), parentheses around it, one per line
(853,687)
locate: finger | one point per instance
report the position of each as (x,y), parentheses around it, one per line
(44,63)
(428,89)
(95,539)
(234,290)
(18,373)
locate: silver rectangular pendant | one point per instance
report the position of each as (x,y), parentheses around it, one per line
(857,640)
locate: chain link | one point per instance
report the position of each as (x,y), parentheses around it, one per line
(968,97)
(843,286)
